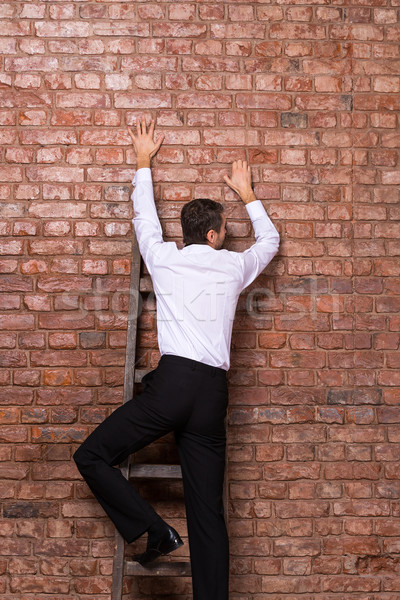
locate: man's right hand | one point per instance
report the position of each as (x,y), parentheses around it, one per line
(241,181)
(143,142)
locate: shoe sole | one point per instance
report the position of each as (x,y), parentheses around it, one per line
(150,556)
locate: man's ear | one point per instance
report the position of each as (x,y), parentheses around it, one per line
(210,235)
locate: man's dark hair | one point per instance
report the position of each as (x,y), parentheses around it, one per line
(198,217)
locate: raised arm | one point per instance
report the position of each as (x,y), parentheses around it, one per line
(259,255)
(146,222)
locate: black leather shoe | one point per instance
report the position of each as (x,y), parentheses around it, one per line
(167,543)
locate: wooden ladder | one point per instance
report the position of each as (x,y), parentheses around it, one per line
(121,564)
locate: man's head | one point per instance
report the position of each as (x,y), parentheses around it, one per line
(203,222)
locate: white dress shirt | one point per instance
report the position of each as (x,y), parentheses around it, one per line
(197,287)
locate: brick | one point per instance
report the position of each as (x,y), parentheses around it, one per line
(63,174)
(61,357)
(57,434)
(62,29)
(60,548)
(86,229)
(19,322)
(55,377)
(301,433)
(104,28)
(109,247)
(292,547)
(88,377)
(64,265)
(295,322)
(56,228)
(346,583)
(82,100)
(11,174)
(18,155)
(263,101)
(66,321)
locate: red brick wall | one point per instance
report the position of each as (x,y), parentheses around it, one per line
(309,94)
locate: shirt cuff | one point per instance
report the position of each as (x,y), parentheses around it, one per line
(255,209)
(143,174)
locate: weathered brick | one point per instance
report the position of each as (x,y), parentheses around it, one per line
(62,29)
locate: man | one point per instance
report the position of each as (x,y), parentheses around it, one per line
(197,289)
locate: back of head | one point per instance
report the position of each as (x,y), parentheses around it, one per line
(198,217)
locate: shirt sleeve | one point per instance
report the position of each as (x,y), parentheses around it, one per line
(259,255)
(146,222)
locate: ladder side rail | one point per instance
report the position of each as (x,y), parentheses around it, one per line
(129,381)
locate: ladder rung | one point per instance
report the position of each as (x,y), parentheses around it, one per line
(172,569)
(155,471)
(145,284)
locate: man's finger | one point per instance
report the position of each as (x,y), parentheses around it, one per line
(151,130)
(131,134)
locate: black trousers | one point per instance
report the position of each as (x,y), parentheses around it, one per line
(189,398)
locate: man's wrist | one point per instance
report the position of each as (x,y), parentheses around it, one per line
(142,160)
(248,196)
